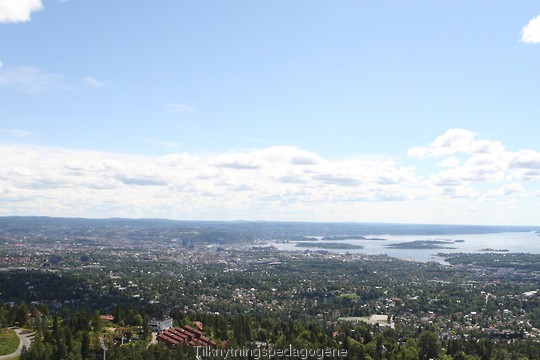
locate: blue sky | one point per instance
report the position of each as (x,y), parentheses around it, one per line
(397,111)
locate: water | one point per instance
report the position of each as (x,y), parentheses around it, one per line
(514,242)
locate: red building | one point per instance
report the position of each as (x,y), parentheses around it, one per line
(186,335)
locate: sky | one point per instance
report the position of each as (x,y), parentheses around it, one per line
(402,111)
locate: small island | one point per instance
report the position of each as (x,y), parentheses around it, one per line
(421,244)
(333,246)
(459,241)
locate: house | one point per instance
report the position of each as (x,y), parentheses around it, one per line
(160,324)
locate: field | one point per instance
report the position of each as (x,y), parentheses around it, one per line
(9,342)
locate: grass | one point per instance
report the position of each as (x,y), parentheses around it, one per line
(351,296)
(9,341)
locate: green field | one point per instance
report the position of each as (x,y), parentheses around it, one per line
(9,341)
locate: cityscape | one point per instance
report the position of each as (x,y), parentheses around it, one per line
(228,285)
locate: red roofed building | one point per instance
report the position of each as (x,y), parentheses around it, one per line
(197,332)
(186,335)
(106,318)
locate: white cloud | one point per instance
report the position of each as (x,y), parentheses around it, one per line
(447,178)
(179,108)
(17,133)
(291,179)
(30,79)
(524,175)
(289,154)
(418,152)
(449,162)
(524,165)
(487,147)
(530,33)
(513,189)
(340,180)
(231,183)
(528,159)
(451,142)
(18,10)
(91,81)
(238,165)
(484,160)
(476,169)
(509,204)
(460,192)
(507,190)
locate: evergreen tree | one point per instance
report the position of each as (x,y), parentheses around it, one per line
(428,345)
(85,345)
(21,314)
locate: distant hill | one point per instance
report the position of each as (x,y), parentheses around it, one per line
(265,229)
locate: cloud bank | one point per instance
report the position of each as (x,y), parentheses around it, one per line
(275,183)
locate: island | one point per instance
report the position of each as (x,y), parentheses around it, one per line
(334,246)
(421,244)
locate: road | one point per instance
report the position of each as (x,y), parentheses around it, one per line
(24,341)
(154,339)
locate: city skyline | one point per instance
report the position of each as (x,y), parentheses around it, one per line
(408,112)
